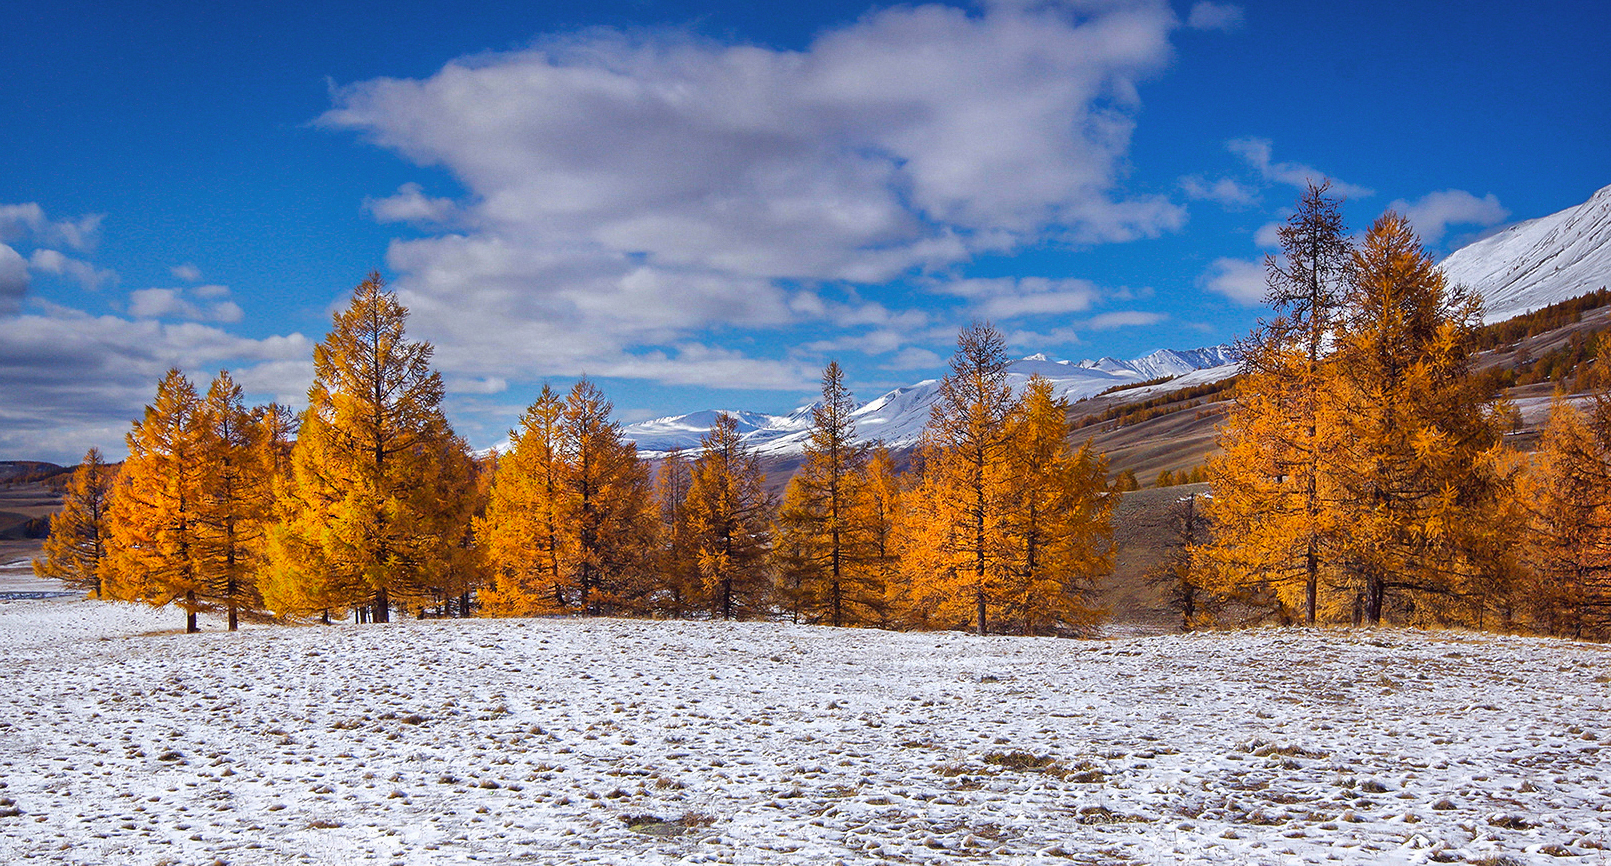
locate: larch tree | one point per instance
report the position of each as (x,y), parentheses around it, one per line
(1274,481)
(151,549)
(839,578)
(235,498)
(279,428)
(1059,518)
(1569,497)
(878,507)
(458,493)
(729,517)
(608,508)
(957,554)
(677,553)
(520,531)
(1176,575)
(363,525)
(1423,474)
(76,545)
(570,523)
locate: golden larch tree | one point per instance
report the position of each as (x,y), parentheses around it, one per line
(520,532)
(363,523)
(1273,484)
(151,549)
(729,517)
(1423,473)
(678,556)
(835,575)
(235,498)
(877,508)
(1569,496)
(957,554)
(76,545)
(608,508)
(1059,518)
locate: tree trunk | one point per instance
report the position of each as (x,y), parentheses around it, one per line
(979,599)
(382,606)
(190,613)
(1310,589)
(234,616)
(1375,593)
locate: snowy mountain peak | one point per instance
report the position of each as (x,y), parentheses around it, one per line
(898,417)
(1538,262)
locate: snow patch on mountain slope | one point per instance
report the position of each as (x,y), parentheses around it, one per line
(1538,262)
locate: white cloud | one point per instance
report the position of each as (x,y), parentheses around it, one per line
(13,280)
(1123,319)
(28,222)
(626,195)
(73,380)
(411,204)
(187,272)
(1225,191)
(1240,280)
(81,272)
(1433,213)
(1015,297)
(1214,16)
(1259,153)
(1268,236)
(913,358)
(483,385)
(173,304)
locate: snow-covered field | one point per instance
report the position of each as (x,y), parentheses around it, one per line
(569,741)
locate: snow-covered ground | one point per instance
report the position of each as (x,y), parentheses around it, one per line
(570,741)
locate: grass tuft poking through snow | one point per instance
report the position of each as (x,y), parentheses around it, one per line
(611,741)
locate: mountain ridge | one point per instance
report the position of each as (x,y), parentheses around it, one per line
(897,417)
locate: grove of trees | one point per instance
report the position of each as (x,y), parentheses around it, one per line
(367,504)
(1364,477)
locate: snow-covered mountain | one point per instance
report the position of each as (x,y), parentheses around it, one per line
(898,417)
(1539,262)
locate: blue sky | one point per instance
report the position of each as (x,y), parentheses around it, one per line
(698,205)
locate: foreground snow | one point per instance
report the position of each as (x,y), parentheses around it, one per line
(566,741)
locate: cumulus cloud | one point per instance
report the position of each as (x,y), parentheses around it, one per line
(1226,191)
(410,204)
(1268,236)
(199,304)
(187,272)
(1015,297)
(77,270)
(1433,213)
(627,195)
(13,280)
(1240,280)
(1214,16)
(912,358)
(1259,154)
(28,222)
(73,380)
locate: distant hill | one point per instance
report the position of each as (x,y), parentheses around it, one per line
(27,471)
